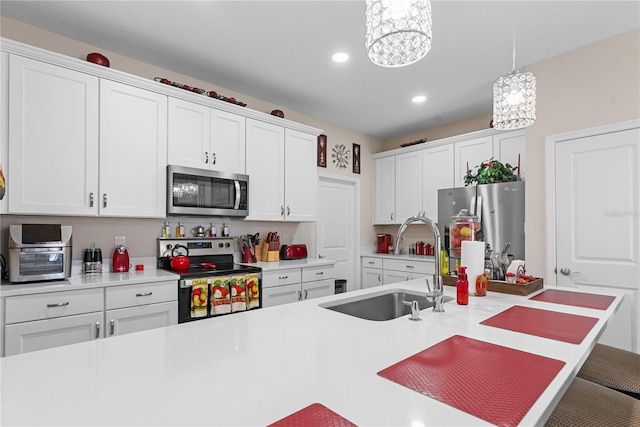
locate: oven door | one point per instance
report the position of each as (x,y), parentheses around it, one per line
(201,192)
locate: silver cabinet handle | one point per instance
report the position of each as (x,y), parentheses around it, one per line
(371,262)
(113,326)
(90,200)
(104,200)
(379,278)
(206,157)
(288,210)
(283,277)
(391,216)
(321,256)
(214,158)
(145,294)
(319,273)
(281,209)
(97,329)
(60,304)
(299,295)
(306,294)
(410,266)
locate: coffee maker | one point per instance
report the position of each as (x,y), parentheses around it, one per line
(384,241)
(120,260)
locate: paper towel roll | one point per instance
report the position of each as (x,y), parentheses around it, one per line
(473,258)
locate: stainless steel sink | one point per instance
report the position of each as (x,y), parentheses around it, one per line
(379,306)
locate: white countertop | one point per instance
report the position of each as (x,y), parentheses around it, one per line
(291,263)
(429,258)
(87,281)
(257,367)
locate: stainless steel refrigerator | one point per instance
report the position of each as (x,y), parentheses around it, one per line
(500,208)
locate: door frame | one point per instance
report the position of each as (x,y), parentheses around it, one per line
(550,154)
(354,239)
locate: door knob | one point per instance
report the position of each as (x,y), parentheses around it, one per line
(565,271)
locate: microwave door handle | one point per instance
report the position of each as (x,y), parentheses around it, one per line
(237,203)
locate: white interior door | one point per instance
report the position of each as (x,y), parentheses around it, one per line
(338,226)
(597,222)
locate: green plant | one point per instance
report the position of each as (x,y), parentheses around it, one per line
(490,172)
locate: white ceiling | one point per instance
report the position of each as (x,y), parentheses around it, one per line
(280,51)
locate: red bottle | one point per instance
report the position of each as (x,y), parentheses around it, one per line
(462,287)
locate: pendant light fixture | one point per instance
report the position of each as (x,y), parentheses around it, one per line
(514,97)
(398,31)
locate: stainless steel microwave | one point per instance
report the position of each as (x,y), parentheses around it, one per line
(202,192)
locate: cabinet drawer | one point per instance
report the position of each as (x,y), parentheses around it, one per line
(410,266)
(371,262)
(53,304)
(281,277)
(141,294)
(321,272)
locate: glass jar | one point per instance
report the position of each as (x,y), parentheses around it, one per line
(464,226)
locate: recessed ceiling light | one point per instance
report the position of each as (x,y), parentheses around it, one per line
(340,57)
(419,98)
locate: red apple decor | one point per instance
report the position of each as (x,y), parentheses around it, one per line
(98,58)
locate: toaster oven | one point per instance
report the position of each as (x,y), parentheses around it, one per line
(39,252)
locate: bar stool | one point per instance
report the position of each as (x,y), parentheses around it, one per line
(614,368)
(587,404)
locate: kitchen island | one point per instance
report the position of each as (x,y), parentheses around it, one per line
(257,367)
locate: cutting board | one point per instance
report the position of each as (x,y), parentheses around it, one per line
(314,415)
(554,325)
(578,299)
(494,383)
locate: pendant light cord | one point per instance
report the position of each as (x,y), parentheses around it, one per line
(513,37)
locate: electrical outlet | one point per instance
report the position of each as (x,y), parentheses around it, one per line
(120,241)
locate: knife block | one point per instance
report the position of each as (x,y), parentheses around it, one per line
(264,253)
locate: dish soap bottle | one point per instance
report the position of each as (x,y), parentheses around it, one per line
(462,287)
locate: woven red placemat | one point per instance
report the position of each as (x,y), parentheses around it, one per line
(578,299)
(554,325)
(495,383)
(314,415)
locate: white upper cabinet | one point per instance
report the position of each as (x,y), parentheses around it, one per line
(53,140)
(281,164)
(510,147)
(4,121)
(408,185)
(469,154)
(437,173)
(205,138)
(384,190)
(133,151)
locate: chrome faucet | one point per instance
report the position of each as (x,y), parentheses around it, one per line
(437,295)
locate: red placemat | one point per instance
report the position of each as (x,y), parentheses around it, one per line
(313,415)
(578,299)
(495,383)
(569,328)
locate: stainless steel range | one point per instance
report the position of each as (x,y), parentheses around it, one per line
(210,283)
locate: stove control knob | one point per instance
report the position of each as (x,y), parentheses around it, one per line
(227,245)
(220,245)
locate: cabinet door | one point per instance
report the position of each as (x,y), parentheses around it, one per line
(281,295)
(301,176)
(469,154)
(408,185)
(39,335)
(437,173)
(390,276)
(133,151)
(265,167)
(53,139)
(510,148)
(228,142)
(384,190)
(188,134)
(319,288)
(4,121)
(141,318)
(371,277)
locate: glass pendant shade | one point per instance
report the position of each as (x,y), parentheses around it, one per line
(514,101)
(398,31)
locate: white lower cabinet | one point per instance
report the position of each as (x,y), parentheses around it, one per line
(371,277)
(140,307)
(297,284)
(383,271)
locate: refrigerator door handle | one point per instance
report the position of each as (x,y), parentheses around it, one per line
(476,207)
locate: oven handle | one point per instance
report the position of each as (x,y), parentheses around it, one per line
(182,283)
